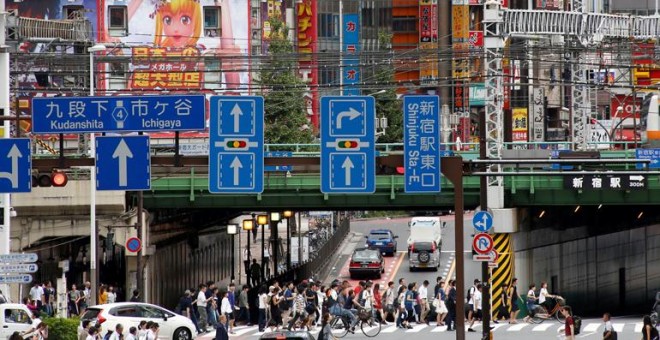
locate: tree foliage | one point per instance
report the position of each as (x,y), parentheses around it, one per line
(387,104)
(283,90)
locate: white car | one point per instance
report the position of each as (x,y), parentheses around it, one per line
(172,326)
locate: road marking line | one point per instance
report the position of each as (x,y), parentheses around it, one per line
(416,329)
(396,269)
(246,330)
(451,270)
(439,329)
(638,327)
(541,328)
(618,327)
(518,327)
(592,327)
(390,329)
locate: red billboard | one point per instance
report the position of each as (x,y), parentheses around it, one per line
(307,38)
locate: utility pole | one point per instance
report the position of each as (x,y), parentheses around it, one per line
(5,229)
(483,203)
(140,226)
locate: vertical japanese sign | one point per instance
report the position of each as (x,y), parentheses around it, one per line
(519,121)
(271,9)
(167,68)
(537,116)
(351,70)
(428,42)
(422,143)
(461,47)
(308,71)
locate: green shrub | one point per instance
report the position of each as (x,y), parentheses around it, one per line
(62,329)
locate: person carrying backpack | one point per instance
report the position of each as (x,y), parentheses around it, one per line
(608,332)
(569,324)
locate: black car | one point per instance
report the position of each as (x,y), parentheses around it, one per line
(366,261)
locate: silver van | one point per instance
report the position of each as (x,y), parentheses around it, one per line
(424,255)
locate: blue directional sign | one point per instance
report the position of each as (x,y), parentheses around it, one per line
(347,145)
(421,138)
(236,151)
(482,221)
(15,165)
(274,168)
(652,154)
(123,163)
(108,114)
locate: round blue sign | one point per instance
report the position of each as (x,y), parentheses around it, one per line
(133,244)
(482,221)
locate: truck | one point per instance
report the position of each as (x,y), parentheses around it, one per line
(14,317)
(425,229)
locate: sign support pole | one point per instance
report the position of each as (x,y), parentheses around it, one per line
(93,236)
(483,202)
(4,111)
(140,227)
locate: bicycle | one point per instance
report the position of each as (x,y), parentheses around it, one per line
(369,327)
(541,312)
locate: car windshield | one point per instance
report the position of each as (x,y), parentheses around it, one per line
(426,246)
(378,236)
(365,255)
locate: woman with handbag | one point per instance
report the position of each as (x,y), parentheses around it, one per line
(440,305)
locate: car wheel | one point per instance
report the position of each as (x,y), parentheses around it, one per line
(182,334)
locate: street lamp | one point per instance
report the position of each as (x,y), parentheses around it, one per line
(92,186)
(248,225)
(287,215)
(275,218)
(262,221)
(232,229)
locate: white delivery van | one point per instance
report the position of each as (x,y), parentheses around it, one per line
(425,229)
(14,317)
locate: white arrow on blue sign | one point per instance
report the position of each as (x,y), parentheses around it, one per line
(123,163)
(482,221)
(348,145)
(421,135)
(15,165)
(18,257)
(651,154)
(236,150)
(19,268)
(23,278)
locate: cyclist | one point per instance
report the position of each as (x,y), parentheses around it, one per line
(336,309)
(545,297)
(531,302)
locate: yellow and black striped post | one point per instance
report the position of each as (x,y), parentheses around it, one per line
(503,274)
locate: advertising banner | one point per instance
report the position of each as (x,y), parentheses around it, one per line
(351,49)
(519,122)
(306,12)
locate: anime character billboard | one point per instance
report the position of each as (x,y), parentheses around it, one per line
(183,44)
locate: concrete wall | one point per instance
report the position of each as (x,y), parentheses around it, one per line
(617,272)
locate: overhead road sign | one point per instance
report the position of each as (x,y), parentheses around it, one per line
(19,268)
(18,257)
(348,145)
(651,154)
(116,114)
(21,278)
(602,182)
(236,150)
(15,165)
(482,243)
(123,163)
(422,143)
(482,221)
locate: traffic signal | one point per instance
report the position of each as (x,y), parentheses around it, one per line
(348,144)
(236,144)
(53,179)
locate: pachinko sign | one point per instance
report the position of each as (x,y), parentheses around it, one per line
(166,68)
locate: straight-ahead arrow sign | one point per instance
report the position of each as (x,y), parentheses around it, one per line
(236,165)
(347,166)
(123,152)
(236,112)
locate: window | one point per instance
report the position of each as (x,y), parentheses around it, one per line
(17,316)
(151,312)
(212,26)
(117,21)
(126,312)
(368,17)
(404,24)
(328,25)
(73,12)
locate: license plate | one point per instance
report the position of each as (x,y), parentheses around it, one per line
(422,264)
(379,243)
(365,266)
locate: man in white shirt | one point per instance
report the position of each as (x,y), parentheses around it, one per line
(132,334)
(118,334)
(37,295)
(476,300)
(423,292)
(608,332)
(470,306)
(112,297)
(201,307)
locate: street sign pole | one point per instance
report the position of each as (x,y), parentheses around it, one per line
(483,202)
(4,110)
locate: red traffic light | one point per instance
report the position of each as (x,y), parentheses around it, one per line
(236,144)
(59,179)
(53,179)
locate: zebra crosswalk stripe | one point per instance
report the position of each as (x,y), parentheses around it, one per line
(416,329)
(618,327)
(590,328)
(390,329)
(638,327)
(517,327)
(439,329)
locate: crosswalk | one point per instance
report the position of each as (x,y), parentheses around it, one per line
(243,332)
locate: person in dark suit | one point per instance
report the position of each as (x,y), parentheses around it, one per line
(220,330)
